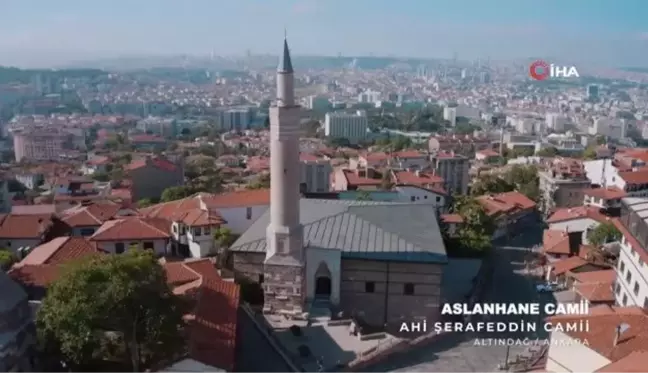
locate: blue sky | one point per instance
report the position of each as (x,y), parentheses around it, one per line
(606,32)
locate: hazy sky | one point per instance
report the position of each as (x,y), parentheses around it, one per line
(42,32)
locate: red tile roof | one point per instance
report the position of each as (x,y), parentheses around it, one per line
(134,228)
(58,251)
(602,276)
(91,215)
(35,275)
(356,178)
(565,265)
(155,162)
(212,325)
(202,208)
(635,177)
(452,218)
(606,193)
(596,292)
(580,212)
(506,203)
(13,226)
(417,178)
(636,361)
(603,324)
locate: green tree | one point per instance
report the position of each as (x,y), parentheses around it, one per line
(490,184)
(547,152)
(338,142)
(590,153)
(101,176)
(143,203)
(476,232)
(261,182)
(363,195)
(111,307)
(7,259)
(225,238)
(602,234)
(176,193)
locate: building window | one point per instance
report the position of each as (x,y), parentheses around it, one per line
(628,277)
(636,288)
(438,199)
(412,198)
(248,213)
(622,267)
(87,231)
(618,288)
(175,229)
(645,303)
(625,300)
(148,245)
(370,287)
(261,279)
(195,231)
(119,248)
(408,289)
(207,230)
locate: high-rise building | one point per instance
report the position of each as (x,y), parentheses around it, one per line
(237,119)
(352,127)
(284,261)
(592,92)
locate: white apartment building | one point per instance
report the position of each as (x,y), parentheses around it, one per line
(450,114)
(352,127)
(315,174)
(610,127)
(602,171)
(469,112)
(631,288)
(556,122)
(369,97)
(454,169)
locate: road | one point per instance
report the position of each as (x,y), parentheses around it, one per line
(464,352)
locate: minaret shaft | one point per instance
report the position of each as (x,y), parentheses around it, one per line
(284,263)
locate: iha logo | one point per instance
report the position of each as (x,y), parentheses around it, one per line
(540,70)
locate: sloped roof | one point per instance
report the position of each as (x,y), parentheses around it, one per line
(59,251)
(361,229)
(212,324)
(131,229)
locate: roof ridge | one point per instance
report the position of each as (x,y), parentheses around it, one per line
(51,254)
(151,225)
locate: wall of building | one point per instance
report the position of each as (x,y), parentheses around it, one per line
(15,244)
(576,225)
(630,263)
(159,246)
(239,219)
(388,304)
(567,355)
(150,182)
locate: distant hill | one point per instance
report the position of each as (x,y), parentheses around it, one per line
(635,69)
(16,75)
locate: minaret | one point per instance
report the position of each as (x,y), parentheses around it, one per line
(284,263)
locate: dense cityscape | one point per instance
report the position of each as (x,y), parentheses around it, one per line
(324,214)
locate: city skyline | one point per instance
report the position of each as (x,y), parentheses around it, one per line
(598,32)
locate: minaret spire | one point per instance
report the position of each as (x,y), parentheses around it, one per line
(285,64)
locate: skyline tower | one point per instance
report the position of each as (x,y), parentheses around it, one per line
(284,262)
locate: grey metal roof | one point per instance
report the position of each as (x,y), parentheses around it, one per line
(10,292)
(361,229)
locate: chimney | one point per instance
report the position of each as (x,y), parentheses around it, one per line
(620,329)
(417,173)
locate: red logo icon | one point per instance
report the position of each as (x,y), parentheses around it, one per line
(539,70)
